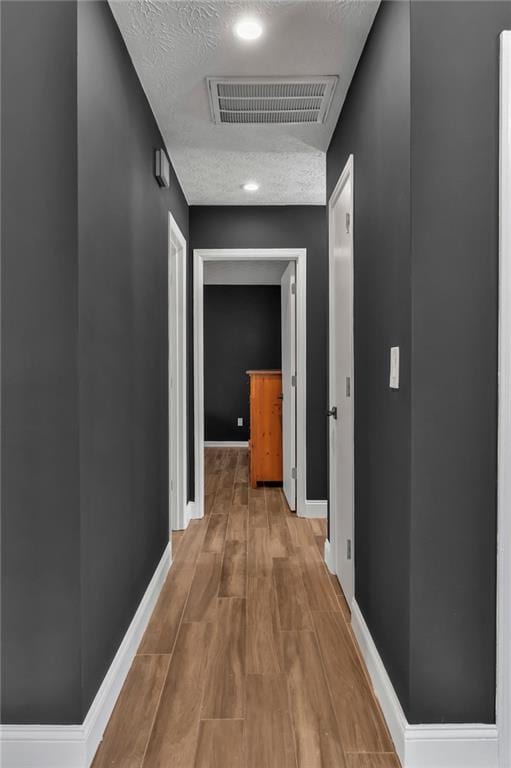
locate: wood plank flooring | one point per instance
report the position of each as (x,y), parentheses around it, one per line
(248,660)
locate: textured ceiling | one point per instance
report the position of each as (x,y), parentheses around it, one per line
(175,44)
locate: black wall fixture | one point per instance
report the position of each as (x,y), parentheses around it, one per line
(162,168)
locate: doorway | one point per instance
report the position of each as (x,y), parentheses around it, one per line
(293,287)
(341,389)
(177,377)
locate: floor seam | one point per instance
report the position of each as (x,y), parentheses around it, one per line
(151,730)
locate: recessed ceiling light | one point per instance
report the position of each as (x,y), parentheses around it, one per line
(251,186)
(248,29)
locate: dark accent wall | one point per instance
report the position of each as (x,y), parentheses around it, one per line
(84,354)
(455,140)
(242,331)
(421,118)
(375,127)
(40,620)
(278,227)
(123,231)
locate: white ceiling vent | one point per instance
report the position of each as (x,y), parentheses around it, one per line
(271,100)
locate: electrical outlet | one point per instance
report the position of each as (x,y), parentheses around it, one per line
(240,421)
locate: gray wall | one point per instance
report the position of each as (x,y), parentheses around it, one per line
(424,131)
(455,91)
(40,620)
(242,331)
(84,351)
(278,227)
(375,127)
(123,230)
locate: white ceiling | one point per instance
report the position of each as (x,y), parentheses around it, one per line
(176,44)
(249,272)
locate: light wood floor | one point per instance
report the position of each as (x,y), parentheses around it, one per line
(248,660)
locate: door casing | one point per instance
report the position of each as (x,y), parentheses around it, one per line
(299,256)
(177,377)
(503,688)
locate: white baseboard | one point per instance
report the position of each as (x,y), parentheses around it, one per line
(225,443)
(315,508)
(467,745)
(452,746)
(74,746)
(328,556)
(191,511)
(43,746)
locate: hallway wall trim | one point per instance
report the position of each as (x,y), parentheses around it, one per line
(74,746)
(328,554)
(225,443)
(316,508)
(189,514)
(465,745)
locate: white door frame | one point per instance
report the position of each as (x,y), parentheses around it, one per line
(299,255)
(503,698)
(177,382)
(331,543)
(288,336)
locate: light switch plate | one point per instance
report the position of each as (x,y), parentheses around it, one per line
(394,368)
(240,421)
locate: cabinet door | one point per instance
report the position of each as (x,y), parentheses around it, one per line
(266,428)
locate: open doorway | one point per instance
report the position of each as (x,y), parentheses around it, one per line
(283,272)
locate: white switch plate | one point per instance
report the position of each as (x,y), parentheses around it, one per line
(240,421)
(394,368)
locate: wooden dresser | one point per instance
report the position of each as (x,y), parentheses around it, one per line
(265,427)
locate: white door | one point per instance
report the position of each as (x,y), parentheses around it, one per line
(341,411)
(288,305)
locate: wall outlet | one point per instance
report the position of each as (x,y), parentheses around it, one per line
(240,421)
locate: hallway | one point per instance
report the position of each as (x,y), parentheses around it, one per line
(248,660)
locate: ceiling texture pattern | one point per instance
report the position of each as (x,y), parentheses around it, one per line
(176,44)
